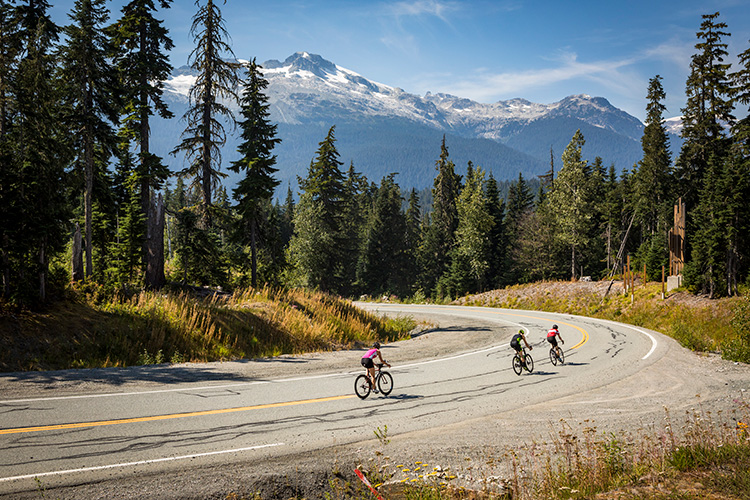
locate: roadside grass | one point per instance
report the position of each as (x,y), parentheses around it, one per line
(722,327)
(705,456)
(156,327)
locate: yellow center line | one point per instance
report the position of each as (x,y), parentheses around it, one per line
(584,333)
(100,423)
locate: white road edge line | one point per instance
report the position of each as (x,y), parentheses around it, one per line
(140,462)
(644,332)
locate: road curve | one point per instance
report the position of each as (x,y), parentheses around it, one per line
(59,429)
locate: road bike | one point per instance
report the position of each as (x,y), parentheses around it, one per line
(519,364)
(383,379)
(556,355)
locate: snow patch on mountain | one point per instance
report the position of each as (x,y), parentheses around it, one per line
(673,125)
(306,88)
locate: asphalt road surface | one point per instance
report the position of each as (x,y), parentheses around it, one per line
(454,388)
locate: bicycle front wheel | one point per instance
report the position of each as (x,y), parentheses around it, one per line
(362,386)
(553,356)
(529,363)
(385,383)
(561,357)
(517,365)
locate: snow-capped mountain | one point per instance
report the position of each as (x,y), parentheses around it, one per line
(383,129)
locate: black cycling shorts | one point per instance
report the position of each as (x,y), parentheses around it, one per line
(552,340)
(367,363)
(515,344)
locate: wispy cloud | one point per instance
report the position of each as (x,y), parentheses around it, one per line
(484,85)
(402,21)
(419,8)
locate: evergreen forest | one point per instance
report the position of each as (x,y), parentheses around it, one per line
(85,204)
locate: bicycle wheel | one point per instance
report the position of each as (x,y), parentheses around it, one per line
(517,365)
(529,363)
(362,386)
(385,383)
(561,357)
(553,356)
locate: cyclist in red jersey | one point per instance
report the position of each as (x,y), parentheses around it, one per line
(552,335)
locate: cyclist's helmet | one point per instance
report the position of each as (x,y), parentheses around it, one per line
(376,345)
(520,331)
(554,327)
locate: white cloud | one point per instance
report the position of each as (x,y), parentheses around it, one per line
(420,8)
(485,86)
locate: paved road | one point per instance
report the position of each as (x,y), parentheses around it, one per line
(83,426)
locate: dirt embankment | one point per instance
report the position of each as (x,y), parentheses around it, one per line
(565,291)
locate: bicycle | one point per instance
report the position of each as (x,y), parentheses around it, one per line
(519,364)
(383,379)
(556,355)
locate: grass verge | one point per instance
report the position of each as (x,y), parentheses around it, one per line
(154,327)
(705,456)
(702,325)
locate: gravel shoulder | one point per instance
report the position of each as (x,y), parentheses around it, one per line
(681,381)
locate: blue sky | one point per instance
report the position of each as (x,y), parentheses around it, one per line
(486,50)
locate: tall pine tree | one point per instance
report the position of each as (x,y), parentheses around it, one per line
(571,199)
(316,248)
(254,190)
(142,43)
(39,157)
(91,98)
(216,82)
(440,234)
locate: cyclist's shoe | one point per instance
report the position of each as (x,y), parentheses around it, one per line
(375,391)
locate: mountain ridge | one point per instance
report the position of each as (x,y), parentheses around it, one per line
(383,129)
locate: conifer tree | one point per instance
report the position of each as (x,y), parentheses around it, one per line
(475,224)
(736,177)
(571,200)
(440,234)
(708,107)
(287,217)
(40,154)
(385,243)
(651,182)
(141,44)
(359,196)
(705,158)
(126,253)
(9,48)
(216,82)
(316,246)
(254,190)
(519,206)
(741,88)
(413,238)
(497,236)
(91,95)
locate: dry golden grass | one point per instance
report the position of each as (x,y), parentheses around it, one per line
(155,327)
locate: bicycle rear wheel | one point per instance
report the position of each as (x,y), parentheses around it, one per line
(362,386)
(529,363)
(517,365)
(385,383)
(553,356)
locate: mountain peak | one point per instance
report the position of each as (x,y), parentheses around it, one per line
(301,62)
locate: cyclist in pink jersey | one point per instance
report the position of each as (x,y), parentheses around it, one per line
(368,362)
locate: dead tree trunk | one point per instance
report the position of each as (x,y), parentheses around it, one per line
(78,273)
(155,267)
